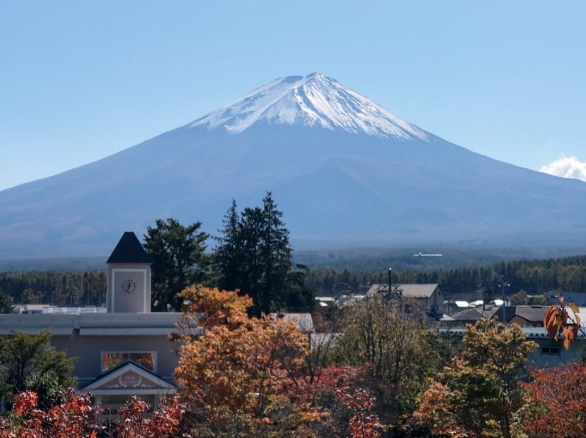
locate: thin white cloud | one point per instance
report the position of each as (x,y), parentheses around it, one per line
(566,167)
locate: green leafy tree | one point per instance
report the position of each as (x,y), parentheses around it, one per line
(392,347)
(6,305)
(29,362)
(520,298)
(478,393)
(177,255)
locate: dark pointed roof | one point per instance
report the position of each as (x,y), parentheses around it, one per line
(129,250)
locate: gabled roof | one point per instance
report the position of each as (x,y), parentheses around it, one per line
(510,311)
(128,376)
(409,290)
(129,250)
(531,313)
(468,315)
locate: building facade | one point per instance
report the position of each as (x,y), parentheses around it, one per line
(122,351)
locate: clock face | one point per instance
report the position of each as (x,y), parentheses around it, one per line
(128,286)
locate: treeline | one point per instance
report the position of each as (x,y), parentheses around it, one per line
(60,288)
(534,276)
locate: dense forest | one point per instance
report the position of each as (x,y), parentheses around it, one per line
(57,287)
(534,276)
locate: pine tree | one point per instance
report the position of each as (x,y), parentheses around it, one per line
(276,256)
(228,258)
(177,256)
(254,255)
(251,227)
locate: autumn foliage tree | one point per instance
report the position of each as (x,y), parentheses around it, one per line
(555,402)
(242,377)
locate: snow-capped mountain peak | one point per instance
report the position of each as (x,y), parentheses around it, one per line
(312,100)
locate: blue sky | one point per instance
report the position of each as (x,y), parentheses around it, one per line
(82,80)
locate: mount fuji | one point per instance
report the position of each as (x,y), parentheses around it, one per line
(344,170)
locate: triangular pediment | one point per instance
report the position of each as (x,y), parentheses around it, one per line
(129,376)
(129,380)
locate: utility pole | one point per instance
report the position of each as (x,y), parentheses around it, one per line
(503,285)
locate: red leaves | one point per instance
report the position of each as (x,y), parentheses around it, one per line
(164,422)
(25,401)
(362,424)
(555,402)
(555,322)
(78,418)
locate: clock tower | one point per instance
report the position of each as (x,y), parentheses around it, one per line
(129,277)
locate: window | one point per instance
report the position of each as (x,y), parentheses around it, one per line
(550,350)
(144,358)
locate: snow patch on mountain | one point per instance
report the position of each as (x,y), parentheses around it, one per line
(312,100)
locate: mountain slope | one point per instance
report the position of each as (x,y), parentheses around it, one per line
(344,170)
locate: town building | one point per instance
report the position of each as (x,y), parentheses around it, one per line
(429,296)
(122,349)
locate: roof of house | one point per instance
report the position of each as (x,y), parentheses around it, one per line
(510,311)
(531,313)
(128,250)
(408,290)
(471,314)
(303,320)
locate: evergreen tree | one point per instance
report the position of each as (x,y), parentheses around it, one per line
(251,227)
(177,259)
(228,257)
(276,257)
(254,255)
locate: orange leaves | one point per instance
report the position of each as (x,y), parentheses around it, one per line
(240,368)
(247,373)
(556,319)
(569,334)
(576,311)
(217,306)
